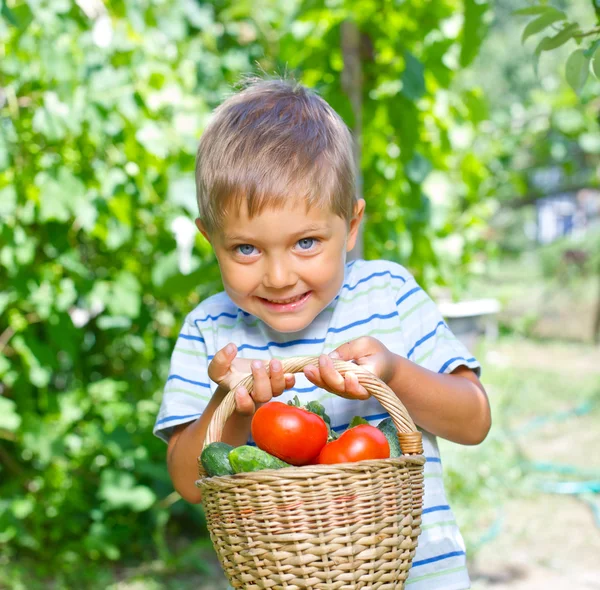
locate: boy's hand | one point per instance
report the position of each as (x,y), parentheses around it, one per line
(367,352)
(227,371)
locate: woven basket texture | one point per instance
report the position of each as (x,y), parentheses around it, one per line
(322,527)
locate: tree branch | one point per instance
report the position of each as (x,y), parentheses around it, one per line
(595,31)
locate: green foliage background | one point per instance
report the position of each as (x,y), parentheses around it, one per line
(100,114)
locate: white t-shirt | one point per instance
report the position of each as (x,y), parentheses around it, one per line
(378,298)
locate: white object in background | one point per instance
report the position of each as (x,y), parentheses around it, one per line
(185,233)
(468,320)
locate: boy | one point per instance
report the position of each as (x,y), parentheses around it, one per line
(276,193)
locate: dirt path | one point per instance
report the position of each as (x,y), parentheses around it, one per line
(549,540)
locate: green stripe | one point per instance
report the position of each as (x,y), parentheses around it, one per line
(237,322)
(422,358)
(413,309)
(437,525)
(333,345)
(362,293)
(191,352)
(432,476)
(436,574)
(192,393)
(428,354)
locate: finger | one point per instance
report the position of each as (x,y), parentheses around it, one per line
(344,352)
(243,402)
(313,375)
(277,377)
(333,379)
(262,384)
(221,362)
(353,387)
(290,380)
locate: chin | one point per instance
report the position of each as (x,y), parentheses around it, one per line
(288,326)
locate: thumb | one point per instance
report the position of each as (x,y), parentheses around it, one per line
(221,363)
(345,352)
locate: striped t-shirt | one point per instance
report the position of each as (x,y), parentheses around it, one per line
(378,298)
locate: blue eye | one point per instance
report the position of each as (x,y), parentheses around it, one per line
(306,243)
(245,249)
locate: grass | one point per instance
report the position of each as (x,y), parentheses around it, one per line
(539,414)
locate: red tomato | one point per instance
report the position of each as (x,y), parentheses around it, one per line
(292,434)
(361,442)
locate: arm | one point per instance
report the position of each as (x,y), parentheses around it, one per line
(185,444)
(453,406)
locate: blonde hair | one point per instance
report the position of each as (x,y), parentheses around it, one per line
(273,142)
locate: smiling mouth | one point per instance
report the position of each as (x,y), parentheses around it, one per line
(285,301)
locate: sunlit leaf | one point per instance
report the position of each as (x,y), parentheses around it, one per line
(9,418)
(542,22)
(577,70)
(596,63)
(474,30)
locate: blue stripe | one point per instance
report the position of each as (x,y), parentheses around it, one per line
(283,344)
(373,417)
(407,295)
(303,389)
(169,418)
(438,558)
(375,274)
(433,459)
(180,378)
(360,322)
(216,317)
(345,286)
(187,337)
(317,340)
(436,508)
(457,358)
(426,337)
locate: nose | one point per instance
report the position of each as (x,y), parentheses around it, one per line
(279,274)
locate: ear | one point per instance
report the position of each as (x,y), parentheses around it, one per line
(359,211)
(202,229)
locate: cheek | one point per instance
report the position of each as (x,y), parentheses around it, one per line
(238,279)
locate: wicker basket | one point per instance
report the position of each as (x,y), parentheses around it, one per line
(325,527)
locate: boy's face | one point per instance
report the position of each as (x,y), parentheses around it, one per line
(284,266)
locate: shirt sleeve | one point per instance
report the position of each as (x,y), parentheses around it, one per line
(428,340)
(188,388)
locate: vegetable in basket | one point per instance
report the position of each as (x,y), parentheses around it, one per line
(360,443)
(215,459)
(245,459)
(289,433)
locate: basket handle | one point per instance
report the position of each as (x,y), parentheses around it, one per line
(409,437)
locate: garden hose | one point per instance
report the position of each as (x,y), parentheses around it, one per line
(584,484)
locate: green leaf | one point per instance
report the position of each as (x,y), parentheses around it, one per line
(118,491)
(533,10)
(356,420)
(9,418)
(418,168)
(8,14)
(566,34)
(589,52)
(577,69)
(413,78)
(126,296)
(542,22)
(596,63)
(474,31)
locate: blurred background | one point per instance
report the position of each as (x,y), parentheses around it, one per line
(479,157)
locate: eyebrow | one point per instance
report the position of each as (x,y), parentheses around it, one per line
(315,228)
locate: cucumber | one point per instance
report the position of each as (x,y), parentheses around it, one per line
(389,430)
(215,459)
(247,458)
